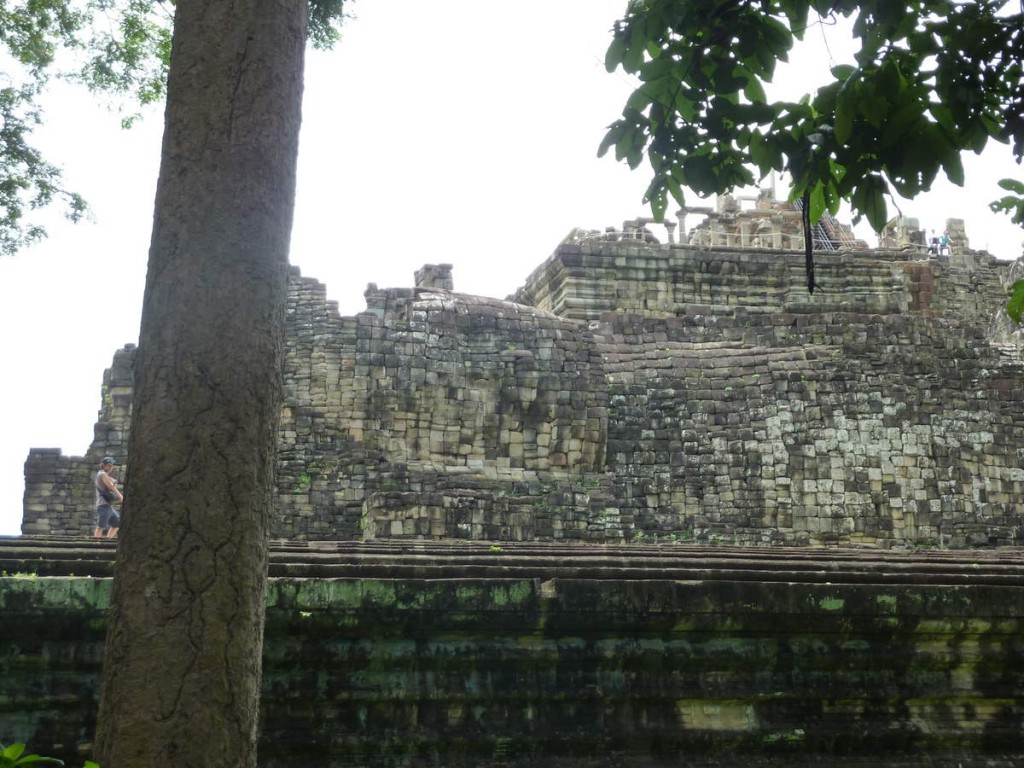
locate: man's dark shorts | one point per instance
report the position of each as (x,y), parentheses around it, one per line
(107,517)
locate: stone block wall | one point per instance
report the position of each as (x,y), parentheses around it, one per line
(435,414)
(633,390)
(586,280)
(568,671)
(832,427)
(58,494)
(59,491)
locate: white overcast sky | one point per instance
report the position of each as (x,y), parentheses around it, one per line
(452,131)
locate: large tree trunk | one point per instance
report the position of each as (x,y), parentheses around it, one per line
(181,678)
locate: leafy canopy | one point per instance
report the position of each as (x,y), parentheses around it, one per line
(932,79)
(119,48)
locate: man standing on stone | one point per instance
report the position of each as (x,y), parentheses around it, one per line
(107,518)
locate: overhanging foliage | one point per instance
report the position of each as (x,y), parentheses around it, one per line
(932,79)
(119,48)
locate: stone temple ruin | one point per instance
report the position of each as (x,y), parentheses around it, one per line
(633,390)
(441,456)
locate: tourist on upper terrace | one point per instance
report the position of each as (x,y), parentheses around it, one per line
(107,519)
(944,244)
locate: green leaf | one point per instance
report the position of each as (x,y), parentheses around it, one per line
(832,198)
(876,211)
(761,153)
(942,116)
(615,133)
(700,174)
(13,752)
(656,196)
(656,68)
(11,757)
(776,37)
(634,154)
(1015,306)
(975,138)
(32,759)
(613,57)
(991,125)
(638,100)
(676,190)
(754,91)
(843,72)
(874,108)
(845,109)
(954,168)
(797,15)
(817,206)
(1012,205)
(633,53)
(868,199)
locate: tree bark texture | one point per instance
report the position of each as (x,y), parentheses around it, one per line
(181,676)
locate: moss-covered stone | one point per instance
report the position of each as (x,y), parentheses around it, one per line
(516,672)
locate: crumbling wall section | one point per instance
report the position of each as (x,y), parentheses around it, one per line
(59,496)
(436,414)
